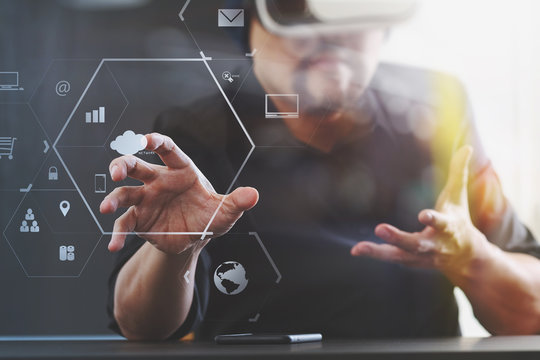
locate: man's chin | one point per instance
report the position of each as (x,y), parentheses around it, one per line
(335,100)
(326,114)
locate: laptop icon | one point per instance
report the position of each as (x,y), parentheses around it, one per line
(270,112)
(9,80)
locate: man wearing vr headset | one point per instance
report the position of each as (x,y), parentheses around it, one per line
(379,165)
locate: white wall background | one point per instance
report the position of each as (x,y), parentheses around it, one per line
(493,46)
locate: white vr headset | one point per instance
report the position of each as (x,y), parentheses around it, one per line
(305,17)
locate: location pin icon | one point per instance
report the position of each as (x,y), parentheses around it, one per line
(64,207)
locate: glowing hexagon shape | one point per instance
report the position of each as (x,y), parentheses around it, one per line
(59,90)
(23,146)
(48,243)
(262,278)
(126,95)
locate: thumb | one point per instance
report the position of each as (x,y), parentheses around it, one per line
(232,208)
(240,200)
(455,190)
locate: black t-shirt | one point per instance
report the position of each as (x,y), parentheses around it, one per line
(286,265)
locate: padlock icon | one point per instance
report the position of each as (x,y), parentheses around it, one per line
(53,173)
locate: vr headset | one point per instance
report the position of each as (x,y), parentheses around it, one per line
(292,18)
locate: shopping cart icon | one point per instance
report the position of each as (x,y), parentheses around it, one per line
(6,147)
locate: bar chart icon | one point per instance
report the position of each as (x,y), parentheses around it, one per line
(96,116)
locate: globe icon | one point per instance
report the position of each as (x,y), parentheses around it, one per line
(230,278)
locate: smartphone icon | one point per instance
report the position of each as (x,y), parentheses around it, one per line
(100,184)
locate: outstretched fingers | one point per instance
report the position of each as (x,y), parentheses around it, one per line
(405,240)
(391,253)
(124,196)
(131,166)
(433,218)
(124,225)
(168,151)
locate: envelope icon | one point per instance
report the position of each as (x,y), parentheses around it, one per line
(230,17)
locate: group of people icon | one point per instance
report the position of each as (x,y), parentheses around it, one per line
(34,227)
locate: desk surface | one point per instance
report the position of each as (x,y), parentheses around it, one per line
(519,347)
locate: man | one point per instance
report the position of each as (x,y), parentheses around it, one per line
(370,148)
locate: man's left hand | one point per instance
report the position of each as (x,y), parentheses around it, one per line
(449,242)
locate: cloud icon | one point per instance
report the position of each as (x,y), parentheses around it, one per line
(129,143)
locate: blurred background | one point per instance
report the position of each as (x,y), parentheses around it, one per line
(491,45)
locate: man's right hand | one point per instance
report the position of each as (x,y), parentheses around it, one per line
(173,198)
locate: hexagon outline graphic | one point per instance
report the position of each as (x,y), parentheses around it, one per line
(45,142)
(183,20)
(26,190)
(204,59)
(272,263)
(21,263)
(270,260)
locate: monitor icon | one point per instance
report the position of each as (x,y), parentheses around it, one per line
(271,112)
(9,80)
